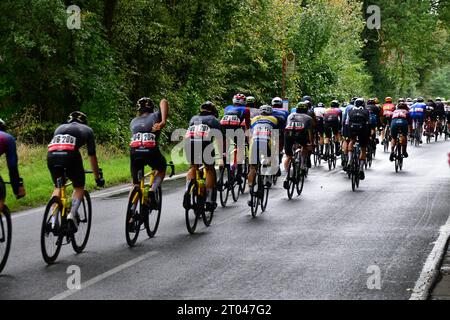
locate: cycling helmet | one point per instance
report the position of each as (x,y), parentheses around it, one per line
(335,104)
(377,101)
(320,105)
(409,100)
(302,107)
(239,99)
(78,116)
(250,99)
(277,102)
(307,98)
(401,100)
(402,105)
(266,109)
(438,99)
(145,105)
(2,125)
(388,100)
(352,102)
(360,102)
(420,99)
(209,107)
(371,102)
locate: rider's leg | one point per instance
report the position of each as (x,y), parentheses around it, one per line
(210,183)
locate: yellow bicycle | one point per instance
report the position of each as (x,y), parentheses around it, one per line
(140,211)
(55,226)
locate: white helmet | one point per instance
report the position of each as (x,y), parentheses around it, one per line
(266,109)
(239,99)
(277,101)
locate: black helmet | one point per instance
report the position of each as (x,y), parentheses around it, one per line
(209,107)
(420,99)
(302,107)
(78,116)
(335,104)
(320,105)
(360,102)
(2,125)
(145,105)
(371,102)
(307,98)
(353,100)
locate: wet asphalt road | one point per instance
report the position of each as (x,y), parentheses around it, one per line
(317,246)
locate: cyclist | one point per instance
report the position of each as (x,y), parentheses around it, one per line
(447,113)
(298,131)
(310,112)
(250,103)
(332,125)
(386,116)
(262,129)
(409,102)
(440,113)
(281,114)
(430,116)
(401,120)
(236,118)
(358,127)
(144,149)
(8,147)
(345,129)
(375,119)
(204,130)
(319,111)
(64,155)
(417,114)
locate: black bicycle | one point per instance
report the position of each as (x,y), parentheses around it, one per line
(5,233)
(330,154)
(296,173)
(398,154)
(259,192)
(387,138)
(354,170)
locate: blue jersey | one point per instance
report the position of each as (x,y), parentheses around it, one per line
(8,146)
(417,111)
(282,116)
(345,118)
(237,111)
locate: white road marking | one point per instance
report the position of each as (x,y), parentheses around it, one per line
(103,276)
(430,270)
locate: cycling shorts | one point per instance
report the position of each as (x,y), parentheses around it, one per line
(2,189)
(360,131)
(71,163)
(139,158)
(399,126)
(292,138)
(331,127)
(257,149)
(199,152)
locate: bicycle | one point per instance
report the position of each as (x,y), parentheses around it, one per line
(55,226)
(317,156)
(296,172)
(140,211)
(427,131)
(370,153)
(415,140)
(197,197)
(354,167)
(5,234)
(259,192)
(387,138)
(330,153)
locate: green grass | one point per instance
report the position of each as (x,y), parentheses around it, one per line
(38,184)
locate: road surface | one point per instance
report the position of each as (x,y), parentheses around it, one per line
(327,244)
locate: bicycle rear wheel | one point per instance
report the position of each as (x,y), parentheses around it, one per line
(133,216)
(254,199)
(300,181)
(51,230)
(207,215)
(81,237)
(234,186)
(291,175)
(191,214)
(244,176)
(264,193)
(5,236)
(222,186)
(151,221)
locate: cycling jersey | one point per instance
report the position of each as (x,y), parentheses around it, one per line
(63,152)
(141,129)
(282,115)
(388,110)
(400,121)
(440,110)
(144,148)
(417,112)
(374,114)
(430,113)
(297,127)
(199,136)
(333,115)
(8,147)
(236,116)
(332,122)
(358,124)
(262,129)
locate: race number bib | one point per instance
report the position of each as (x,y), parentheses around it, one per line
(198,132)
(62,142)
(230,120)
(262,132)
(295,126)
(143,140)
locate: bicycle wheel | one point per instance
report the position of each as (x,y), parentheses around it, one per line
(264,193)
(133,217)
(300,181)
(81,237)
(234,185)
(222,186)
(51,230)
(5,236)
(151,221)
(244,176)
(254,199)
(191,214)
(291,175)
(207,215)
(329,157)
(353,179)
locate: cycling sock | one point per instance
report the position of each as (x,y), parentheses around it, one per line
(75,205)
(350,155)
(156,183)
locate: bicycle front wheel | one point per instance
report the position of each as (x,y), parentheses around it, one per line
(191,213)
(51,230)
(132,219)
(81,237)
(151,220)
(290,179)
(264,194)
(222,185)
(5,236)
